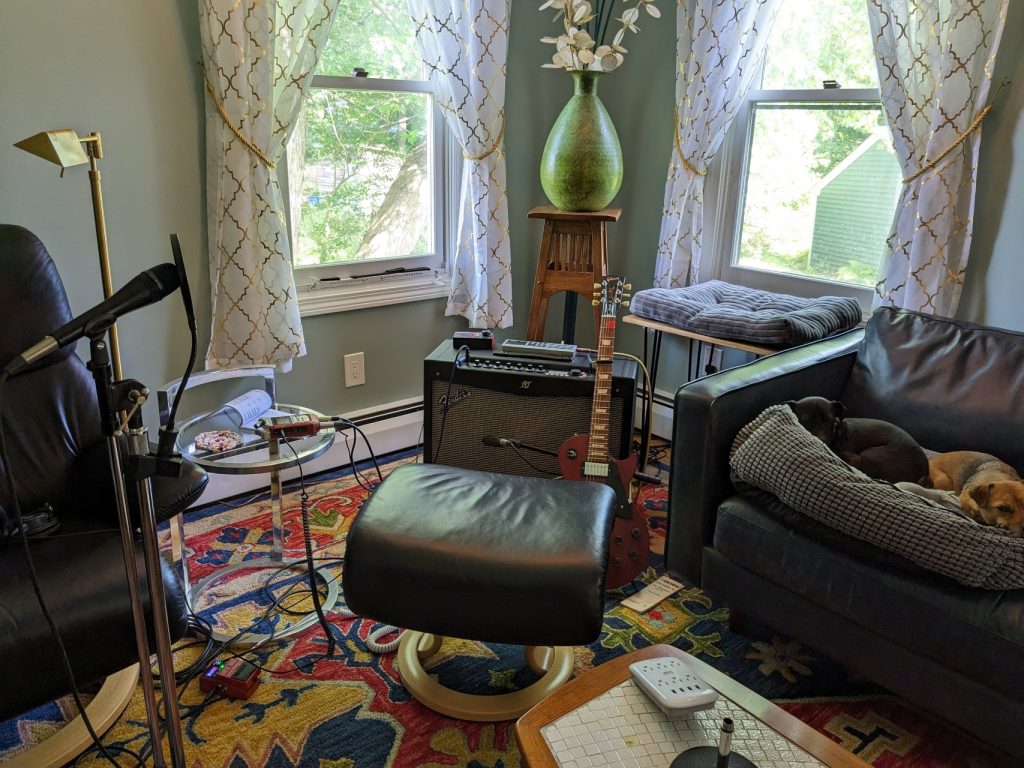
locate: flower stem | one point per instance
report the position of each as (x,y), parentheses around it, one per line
(607,20)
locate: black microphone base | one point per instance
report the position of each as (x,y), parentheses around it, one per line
(707,757)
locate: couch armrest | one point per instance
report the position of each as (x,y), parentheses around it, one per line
(708,414)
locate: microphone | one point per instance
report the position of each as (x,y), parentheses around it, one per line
(142,290)
(498,442)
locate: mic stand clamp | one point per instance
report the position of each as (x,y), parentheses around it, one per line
(138,466)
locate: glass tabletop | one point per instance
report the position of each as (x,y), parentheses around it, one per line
(253,455)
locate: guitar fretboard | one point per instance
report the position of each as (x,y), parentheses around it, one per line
(597,448)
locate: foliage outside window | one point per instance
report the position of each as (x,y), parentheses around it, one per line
(366,164)
(820,178)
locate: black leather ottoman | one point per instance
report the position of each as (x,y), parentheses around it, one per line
(482,556)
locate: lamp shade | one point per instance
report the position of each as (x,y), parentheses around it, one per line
(62,147)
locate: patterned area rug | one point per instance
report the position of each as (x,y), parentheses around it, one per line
(351,711)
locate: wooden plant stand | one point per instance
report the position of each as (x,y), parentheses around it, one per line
(573,256)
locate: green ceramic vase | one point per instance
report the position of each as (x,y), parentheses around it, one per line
(581,168)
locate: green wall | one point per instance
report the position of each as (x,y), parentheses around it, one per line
(128,69)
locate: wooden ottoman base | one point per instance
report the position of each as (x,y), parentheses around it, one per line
(553,663)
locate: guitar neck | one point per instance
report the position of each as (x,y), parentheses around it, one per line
(597,449)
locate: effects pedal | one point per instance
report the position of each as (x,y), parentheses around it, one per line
(235,678)
(473,339)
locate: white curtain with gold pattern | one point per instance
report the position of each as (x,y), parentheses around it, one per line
(720,45)
(464,44)
(258,59)
(935,61)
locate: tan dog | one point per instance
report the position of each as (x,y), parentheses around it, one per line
(990,490)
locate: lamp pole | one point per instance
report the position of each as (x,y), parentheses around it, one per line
(94,149)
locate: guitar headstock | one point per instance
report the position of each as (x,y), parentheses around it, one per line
(609,294)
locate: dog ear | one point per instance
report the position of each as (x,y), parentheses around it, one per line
(980,493)
(838,409)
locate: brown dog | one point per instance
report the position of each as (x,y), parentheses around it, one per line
(990,490)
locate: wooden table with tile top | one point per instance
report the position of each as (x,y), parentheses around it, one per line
(602,718)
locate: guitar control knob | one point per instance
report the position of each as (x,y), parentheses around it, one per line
(616,561)
(634,555)
(572,453)
(635,533)
(618,539)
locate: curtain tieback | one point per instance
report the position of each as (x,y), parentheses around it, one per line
(679,151)
(975,124)
(227,121)
(492,148)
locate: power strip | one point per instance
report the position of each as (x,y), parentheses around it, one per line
(673,686)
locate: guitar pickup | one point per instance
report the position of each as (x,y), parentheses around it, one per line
(595,469)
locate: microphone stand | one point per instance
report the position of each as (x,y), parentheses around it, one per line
(138,466)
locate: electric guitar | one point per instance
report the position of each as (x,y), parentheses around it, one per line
(586,457)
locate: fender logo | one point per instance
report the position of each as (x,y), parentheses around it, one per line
(525,384)
(457,396)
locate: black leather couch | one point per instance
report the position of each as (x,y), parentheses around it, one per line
(59,457)
(954,650)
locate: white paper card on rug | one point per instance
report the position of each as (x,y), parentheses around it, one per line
(648,597)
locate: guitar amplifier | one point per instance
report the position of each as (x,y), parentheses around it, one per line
(533,401)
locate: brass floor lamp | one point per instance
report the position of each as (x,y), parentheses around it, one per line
(66,149)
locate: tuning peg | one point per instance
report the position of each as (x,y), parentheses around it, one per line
(595,302)
(627,287)
(625,304)
(597,286)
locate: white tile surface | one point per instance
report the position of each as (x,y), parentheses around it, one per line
(623,728)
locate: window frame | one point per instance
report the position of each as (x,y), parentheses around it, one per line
(727,186)
(328,288)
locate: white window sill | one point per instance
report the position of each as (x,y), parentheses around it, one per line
(364,293)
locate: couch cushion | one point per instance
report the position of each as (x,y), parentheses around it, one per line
(954,386)
(978,632)
(729,311)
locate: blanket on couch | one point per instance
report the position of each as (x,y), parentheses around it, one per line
(775,453)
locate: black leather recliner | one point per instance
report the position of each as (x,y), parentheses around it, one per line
(59,457)
(952,649)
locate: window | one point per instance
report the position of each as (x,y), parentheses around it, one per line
(810,180)
(369,169)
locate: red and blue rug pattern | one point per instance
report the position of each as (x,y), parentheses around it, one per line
(351,711)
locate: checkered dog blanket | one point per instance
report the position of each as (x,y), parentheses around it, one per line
(729,311)
(775,453)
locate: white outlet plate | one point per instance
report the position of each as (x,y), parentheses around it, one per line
(355,372)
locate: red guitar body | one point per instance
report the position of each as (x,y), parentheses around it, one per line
(630,538)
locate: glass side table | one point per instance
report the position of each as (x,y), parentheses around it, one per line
(255,456)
